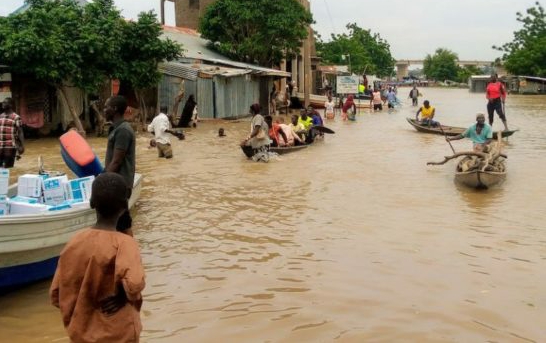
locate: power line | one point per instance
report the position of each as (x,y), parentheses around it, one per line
(330,16)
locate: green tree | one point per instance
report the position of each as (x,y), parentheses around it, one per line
(256,31)
(442,65)
(464,73)
(64,44)
(369,53)
(141,51)
(526,54)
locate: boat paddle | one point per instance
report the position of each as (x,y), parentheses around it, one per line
(441,129)
(323,129)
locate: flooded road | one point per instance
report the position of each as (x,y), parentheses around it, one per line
(354,239)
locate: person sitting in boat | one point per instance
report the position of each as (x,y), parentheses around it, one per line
(480,133)
(308,122)
(291,136)
(316,118)
(427,113)
(276,135)
(305,119)
(298,127)
(317,121)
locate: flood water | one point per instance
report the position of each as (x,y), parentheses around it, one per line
(354,239)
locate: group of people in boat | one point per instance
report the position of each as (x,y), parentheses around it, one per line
(265,133)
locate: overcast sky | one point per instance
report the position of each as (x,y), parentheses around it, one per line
(413,28)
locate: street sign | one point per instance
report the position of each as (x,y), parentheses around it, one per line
(347,84)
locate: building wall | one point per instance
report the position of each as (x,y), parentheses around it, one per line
(188,12)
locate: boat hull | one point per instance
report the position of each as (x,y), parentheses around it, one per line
(480,179)
(449,130)
(30,245)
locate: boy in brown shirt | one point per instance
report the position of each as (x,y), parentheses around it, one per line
(99,277)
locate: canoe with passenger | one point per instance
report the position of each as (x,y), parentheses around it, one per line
(267,136)
(448,130)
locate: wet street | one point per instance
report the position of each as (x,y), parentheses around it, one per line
(354,239)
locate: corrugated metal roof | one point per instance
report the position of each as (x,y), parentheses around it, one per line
(253,68)
(334,69)
(194,46)
(222,71)
(197,48)
(534,78)
(185,71)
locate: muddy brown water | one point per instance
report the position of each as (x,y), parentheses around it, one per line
(354,239)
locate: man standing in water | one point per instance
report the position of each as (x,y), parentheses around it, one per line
(496,95)
(480,133)
(11,135)
(161,127)
(414,94)
(120,152)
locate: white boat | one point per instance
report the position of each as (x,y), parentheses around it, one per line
(30,244)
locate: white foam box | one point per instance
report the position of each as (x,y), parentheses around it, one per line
(4,181)
(28,200)
(79,189)
(26,208)
(54,192)
(4,205)
(30,185)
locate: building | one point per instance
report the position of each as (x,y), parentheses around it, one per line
(526,85)
(223,88)
(303,68)
(478,83)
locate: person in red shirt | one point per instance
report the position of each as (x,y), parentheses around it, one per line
(496,95)
(277,135)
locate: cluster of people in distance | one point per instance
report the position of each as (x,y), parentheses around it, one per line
(386,97)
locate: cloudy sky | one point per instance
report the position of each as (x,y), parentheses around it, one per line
(413,28)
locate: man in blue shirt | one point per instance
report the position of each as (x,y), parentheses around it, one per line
(480,133)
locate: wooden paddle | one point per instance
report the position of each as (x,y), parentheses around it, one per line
(323,129)
(441,129)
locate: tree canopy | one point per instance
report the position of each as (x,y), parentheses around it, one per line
(442,65)
(526,54)
(365,52)
(61,43)
(256,31)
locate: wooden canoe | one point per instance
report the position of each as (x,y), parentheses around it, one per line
(479,179)
(449,130)
(288,149)
(30,244)
(249,152)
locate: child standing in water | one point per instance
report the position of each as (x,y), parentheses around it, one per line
(99,277)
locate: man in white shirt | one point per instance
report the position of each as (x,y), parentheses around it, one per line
(161,128)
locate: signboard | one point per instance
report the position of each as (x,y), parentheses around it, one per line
(347,84)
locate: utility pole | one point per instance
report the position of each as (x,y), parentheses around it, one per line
(307,68)
(162,11)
